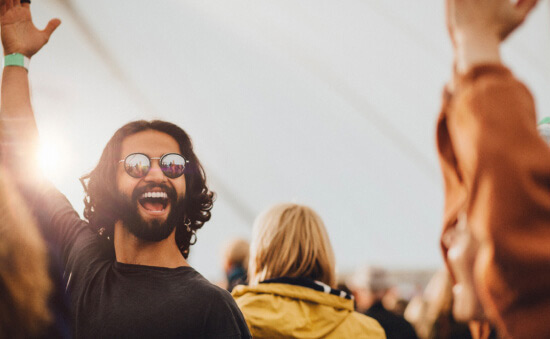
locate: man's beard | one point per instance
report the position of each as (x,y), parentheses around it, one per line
(154,230)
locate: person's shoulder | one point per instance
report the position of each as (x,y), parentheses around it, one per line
(388,317)
(225,319)
(364,319)
(200,284)
(367,326)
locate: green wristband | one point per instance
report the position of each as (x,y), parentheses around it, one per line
(544,121)
(16,59)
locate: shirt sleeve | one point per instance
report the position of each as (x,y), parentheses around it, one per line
(496,169)
(59,222)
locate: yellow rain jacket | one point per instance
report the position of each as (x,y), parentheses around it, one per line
(277,310)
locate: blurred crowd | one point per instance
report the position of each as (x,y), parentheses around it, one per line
(406,303)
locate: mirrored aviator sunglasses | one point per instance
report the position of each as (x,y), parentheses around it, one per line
(137,165)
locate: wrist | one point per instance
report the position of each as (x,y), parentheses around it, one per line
(17,60)
(474,48)
(16,51)
(15,47)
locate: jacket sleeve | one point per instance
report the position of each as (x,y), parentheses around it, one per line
(496,169)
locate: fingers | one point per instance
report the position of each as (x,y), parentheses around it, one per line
(12,3)
(450,20)
(51,27)
(525,6)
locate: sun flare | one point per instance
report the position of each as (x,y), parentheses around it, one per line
(51,157)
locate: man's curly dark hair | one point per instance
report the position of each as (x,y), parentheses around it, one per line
(101,200)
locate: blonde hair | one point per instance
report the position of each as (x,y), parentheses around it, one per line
(25,285)
(290,240)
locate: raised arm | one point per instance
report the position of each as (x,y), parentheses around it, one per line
(19,135)
(497,168)
(19,38)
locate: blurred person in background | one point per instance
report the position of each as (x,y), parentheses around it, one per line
(235,262)
(431,313)
(496,169)
(126,268)
(370,285)
(291,275)
(398,297)
(31,294)
(462,249)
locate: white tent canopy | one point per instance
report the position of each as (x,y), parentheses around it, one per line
(328,103)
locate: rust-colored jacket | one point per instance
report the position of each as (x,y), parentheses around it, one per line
(496,168)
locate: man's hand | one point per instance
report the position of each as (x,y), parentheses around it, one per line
(19,35)
(477,27)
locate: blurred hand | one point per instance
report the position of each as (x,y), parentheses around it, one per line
(489,18)
(19,35)
(477,27)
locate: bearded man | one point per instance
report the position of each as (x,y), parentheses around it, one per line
(126,269)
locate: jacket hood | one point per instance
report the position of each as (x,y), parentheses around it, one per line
(285,310)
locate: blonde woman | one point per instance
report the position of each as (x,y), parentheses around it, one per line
(291,275)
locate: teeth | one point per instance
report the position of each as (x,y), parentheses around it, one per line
(162,195)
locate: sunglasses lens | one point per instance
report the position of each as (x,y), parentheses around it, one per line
(172,165)
(137,165)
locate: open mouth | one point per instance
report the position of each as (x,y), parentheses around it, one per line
(154,202)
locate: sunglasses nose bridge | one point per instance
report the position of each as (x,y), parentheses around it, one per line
(155,172)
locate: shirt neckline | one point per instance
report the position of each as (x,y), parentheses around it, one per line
(136,267)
